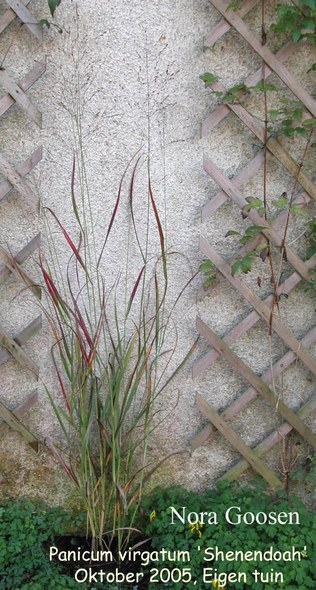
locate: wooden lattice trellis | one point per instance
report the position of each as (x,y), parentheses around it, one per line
(11,346)
(230,189)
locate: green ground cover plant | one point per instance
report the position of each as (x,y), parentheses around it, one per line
(28,528)
(25,528)
(195,537)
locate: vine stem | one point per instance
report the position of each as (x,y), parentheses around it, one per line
(274,281)
(300,166)
(275,278)
(275,300)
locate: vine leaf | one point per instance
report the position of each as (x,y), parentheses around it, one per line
(298,209)
(232,232)
(280,203)
(264,86)
(44,23)
(243,263)
(253,203)
(309,122)
(53,4)
(208,270)
(208,78)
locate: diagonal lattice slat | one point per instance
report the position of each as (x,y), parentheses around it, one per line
(270,441)
(21,171)
(12,13)
(257,382)
(24,253)
(251,458)
(18,353)
(231,189)
(246,174)
(224,26)
(25,84)
(261,74)
(9,420)
(21,338)
(20,410)
(26,17)
(11,347)
(261,308)
(250,320)
(15,424)
(14,267)
(254,216)
(12,88)
(251,393)
(264,52)
(16,181)
(274,146)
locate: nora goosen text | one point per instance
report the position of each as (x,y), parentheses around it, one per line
(234,515)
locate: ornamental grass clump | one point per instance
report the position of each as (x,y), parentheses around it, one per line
(111,353)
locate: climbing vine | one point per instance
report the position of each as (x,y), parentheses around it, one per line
(298,19)
(289,120)
(268,218)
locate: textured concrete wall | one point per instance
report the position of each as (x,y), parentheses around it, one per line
(137,65)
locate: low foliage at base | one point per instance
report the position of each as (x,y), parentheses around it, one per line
(25,528)
(195,536)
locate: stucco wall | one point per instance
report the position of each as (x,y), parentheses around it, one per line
(137,65)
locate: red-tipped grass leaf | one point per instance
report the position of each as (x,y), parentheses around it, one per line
(69,241)
(134,290)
